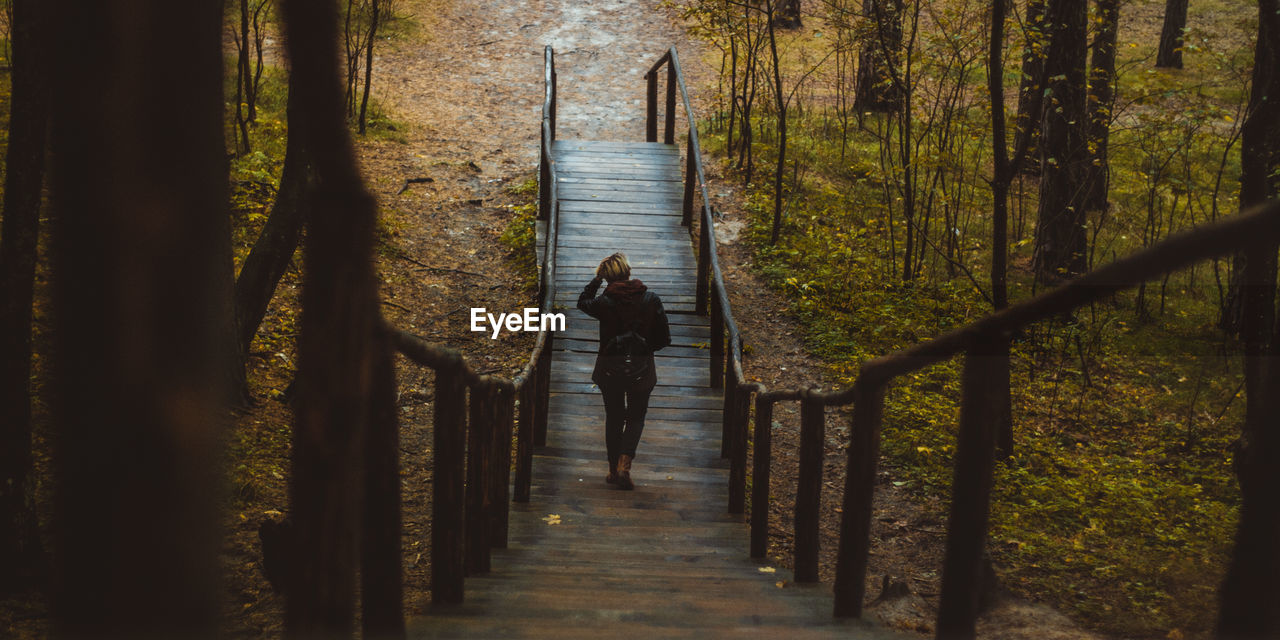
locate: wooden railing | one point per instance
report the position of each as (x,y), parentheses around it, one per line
(984,344)
(475,415)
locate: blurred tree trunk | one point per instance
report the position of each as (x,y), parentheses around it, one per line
(28,126)
(275,246)
(139,196)
(1171,34)
(790,15)
(337,357)
(1061,242)
(1102,99)
(875,89)
(1250,594)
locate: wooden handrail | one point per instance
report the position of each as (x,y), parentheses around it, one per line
(471,495)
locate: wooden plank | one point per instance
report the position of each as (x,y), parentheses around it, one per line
(637,208)
(605,145)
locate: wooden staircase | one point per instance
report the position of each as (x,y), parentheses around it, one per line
(585,559)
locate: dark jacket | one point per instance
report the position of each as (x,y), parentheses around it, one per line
(616,308)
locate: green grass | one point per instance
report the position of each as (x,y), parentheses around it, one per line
(520,236)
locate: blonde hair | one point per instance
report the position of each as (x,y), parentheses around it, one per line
(614,268)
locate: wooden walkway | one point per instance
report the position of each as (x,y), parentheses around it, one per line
(584,558)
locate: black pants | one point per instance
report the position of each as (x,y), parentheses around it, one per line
(624,411)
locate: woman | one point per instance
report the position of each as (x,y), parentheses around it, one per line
(632,326)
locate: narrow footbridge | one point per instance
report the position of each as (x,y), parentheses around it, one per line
(550,550)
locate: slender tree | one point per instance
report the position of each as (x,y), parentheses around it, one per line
(139,197)
(1061,242)
(1250,595)
(780,105)
(1171,34)
(24,177)
(368,62)
(275,246)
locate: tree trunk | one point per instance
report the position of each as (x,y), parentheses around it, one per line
(1061,249)
(1102,100)
(781,105)
(1250,594)
(790,15)
(1000,181)
(1175,23)
(245,73)
(368,64)
(274,249)
(28,125)
(242,79)
(139,194)
(875,89)
(1027,129)
(336,356)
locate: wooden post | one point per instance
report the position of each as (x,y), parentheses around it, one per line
(381,578)
(543,396)
(809,489)
(738,452)
(690,182)
(500,483)
(859,487)
(651,110)
(703,290)
(669,126)
(524,439)
(971,490)
(554,92)
(449,440)
(479,456)
(729,407)
(544,177)
(761,458)
(717,340)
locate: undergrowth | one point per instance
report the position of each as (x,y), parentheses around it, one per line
(1119,503)
(520,236)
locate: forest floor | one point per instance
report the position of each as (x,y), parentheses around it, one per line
(463,87)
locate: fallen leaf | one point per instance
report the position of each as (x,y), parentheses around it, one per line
(767,570)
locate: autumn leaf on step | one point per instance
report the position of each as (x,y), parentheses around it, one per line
(552,519)
(767,570)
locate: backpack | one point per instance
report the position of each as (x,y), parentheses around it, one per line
(625,357)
